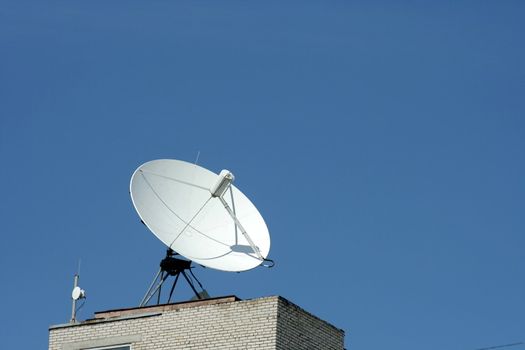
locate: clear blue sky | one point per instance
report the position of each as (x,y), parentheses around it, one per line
(383,142)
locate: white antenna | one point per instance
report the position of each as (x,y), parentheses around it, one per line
(197,158)
(76,294)
(189,209)
(186,207)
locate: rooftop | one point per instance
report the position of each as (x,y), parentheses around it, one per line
(266,323)
(147,311)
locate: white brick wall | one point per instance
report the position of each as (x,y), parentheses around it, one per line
(264,323)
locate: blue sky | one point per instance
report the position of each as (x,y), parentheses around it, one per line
(382,141)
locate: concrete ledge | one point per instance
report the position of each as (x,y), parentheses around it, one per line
(164,307)
(94,321)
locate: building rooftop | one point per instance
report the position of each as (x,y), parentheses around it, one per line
(163,307)
(268,323)
(147,311)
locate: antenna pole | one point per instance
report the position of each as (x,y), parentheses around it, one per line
(74,307)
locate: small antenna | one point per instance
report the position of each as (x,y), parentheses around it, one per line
(198,155)
(76,294)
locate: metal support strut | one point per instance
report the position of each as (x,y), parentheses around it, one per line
(243,231)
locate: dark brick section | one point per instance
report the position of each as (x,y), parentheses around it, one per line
(222,323)
(298,329)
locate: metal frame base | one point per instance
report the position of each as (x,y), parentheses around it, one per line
(170,266)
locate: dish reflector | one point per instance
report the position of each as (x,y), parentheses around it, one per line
(187,207)
(78,293)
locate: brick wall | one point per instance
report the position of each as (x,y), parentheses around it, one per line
(222,323)
(298,329)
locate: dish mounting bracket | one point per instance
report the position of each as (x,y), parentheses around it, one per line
(171,266)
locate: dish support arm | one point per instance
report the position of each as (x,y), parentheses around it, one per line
(241,228)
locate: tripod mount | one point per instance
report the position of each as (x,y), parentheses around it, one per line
(174,267)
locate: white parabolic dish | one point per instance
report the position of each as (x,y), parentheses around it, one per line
(173,199)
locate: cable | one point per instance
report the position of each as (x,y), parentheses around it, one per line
(80,307)
(272,263)
(500,346)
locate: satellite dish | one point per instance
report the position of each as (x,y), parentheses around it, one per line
(78,293)
(200,214)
